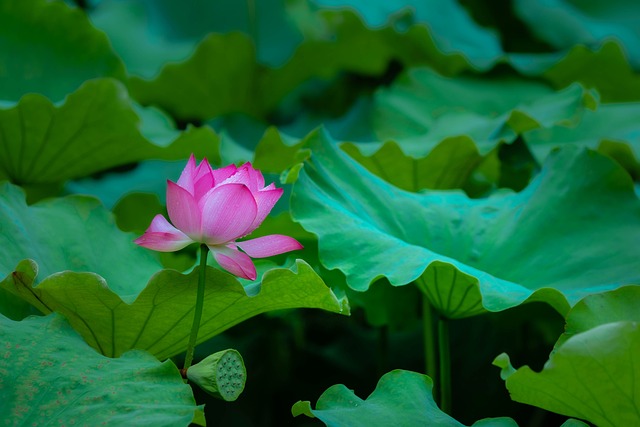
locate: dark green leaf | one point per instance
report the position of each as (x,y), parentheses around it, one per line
(50,48)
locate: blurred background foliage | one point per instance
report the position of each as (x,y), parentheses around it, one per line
(108,98)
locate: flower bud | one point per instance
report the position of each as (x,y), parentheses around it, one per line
(222,374)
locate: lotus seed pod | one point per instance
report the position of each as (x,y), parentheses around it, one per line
(222,374)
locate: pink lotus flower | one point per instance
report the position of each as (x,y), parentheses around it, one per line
(218,207)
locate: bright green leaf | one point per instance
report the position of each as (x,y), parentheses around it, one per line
(571,232)
(599,309)
(591,376)
(159,320)
(50,48)
(401,398)
(95,129)
(50,375)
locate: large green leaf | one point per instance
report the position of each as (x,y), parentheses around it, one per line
(569,23)
(591,376)
(50,48)
(571,232)
(401,398)
(95,129)
(73,233)
(49,374)
(159,320)
(423,108)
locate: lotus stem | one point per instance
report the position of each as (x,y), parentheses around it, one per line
(197,315)
(430,342)
(444,348)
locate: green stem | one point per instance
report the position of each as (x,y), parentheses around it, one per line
(430,344)
(445,364)
(197,315)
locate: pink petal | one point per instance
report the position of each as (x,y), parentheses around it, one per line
(187,177)
(266,200)
(266,246)
(255,177)
(203,180)
(162,236)
(183,210)
(228,211)
(235,262)
(241,176)
(219,175)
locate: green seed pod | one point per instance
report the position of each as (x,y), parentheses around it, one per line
(221,375)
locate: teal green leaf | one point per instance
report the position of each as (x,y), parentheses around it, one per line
(452,29)
(159,320)
(472,255)
(49,374)
(570,23)
(591,376)
(50,48)
(423,108)
(73,233)
(402,398)
(95,129)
